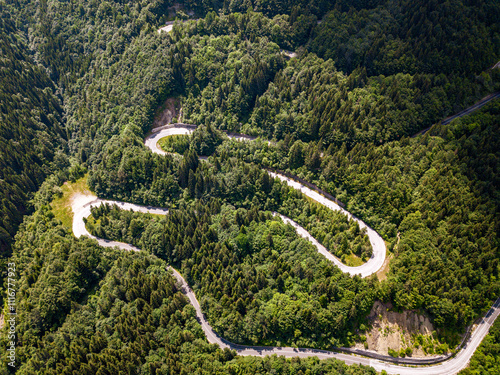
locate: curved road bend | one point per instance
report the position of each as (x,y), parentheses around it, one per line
(378,244)
(151,140)
(451,366)
(81,208)
(83,203)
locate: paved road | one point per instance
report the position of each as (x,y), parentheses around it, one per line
(166,29)
(170,25)
(152,139)
(466,111)
(81,207)
(378,244)
(451,366)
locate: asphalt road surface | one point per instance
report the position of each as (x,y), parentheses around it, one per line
(466,111)
(451,366)
(376,241)
(81,207)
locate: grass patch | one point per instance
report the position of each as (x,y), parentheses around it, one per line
(382,272)
(352,260)
(61,207)
(178,143)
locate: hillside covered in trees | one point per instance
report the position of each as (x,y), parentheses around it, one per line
(106,311)
(80,83)
(257,282)
(32,133)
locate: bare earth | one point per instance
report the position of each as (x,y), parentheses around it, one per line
(169,110)
(394,330)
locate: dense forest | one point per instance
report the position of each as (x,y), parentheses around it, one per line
(401,36)
(434,197)
(32,134)
(239,89)
(257,282)
(107,312)
(80,83)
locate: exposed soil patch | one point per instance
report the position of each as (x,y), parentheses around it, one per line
(406,333)
(170,110)
(2,323)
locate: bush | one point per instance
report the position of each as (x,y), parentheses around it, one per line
(393,353)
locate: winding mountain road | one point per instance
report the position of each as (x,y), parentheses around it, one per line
(451,366)
(377,243)
(82,204)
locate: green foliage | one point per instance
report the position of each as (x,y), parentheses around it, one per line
(411,37)
(175,143)
(393,353)
(205,140)
(342,129)
(31,130)
(133,173)
(139,322)
(55,273)
(435,190)
(310,100)
(486,359)
(70,35)
(236,82)
(438,193)
(257,282)
(229,73)
(84,309)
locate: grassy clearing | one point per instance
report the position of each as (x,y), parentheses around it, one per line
(62,206)
(178,143)
(352,260)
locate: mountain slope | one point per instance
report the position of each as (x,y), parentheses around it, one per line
(31,130)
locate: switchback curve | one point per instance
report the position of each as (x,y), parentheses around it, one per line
(378,245)
(446,365)
(81,206)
